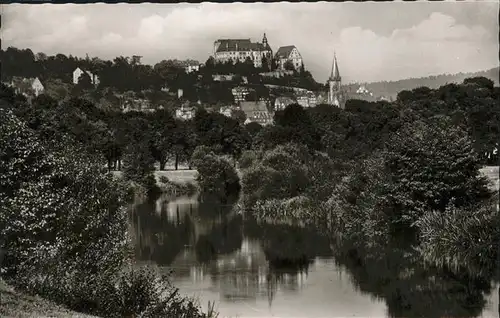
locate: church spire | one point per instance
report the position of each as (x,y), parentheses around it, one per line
(335,74)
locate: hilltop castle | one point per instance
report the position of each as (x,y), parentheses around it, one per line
(234,50)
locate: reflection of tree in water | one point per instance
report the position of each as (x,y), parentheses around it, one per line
(410,289)
(211,207)
(290,250)
(159,237)
(286,245)
(224,238)
(289,275)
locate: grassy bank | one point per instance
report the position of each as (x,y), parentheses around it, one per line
(16,304)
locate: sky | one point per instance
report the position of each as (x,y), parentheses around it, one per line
(372,41)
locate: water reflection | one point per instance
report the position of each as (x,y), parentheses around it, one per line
(263,270)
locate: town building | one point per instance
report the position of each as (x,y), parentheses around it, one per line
(136,104)
(192,68)
(222,77)
(336,96)
(240,93)
(185,112)
(286,54)
(28,87)
(234,50)
(276,73)
(94,79)
(282,102)
(228,110)
(363,90)
(257,112)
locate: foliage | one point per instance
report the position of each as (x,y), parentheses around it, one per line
(299,126)
(461,237)
(175,188)
(357,205)
(216,176)
(280,174)
(53,224)
(139,166)
(247,158)
(431,165)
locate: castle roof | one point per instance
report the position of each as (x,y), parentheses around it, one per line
(231,45)
(284,51)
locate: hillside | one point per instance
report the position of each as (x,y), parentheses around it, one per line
(392,88)
(16,304)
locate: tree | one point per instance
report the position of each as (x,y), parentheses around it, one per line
(51,222)
(239,116)
(216,176)
(299,125)
(253,128)
(433,165)
(139,165)
(265,64)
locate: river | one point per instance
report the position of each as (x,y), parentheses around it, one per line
(253,270)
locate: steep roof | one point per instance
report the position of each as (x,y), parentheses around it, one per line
(284,51)
(250,107)
(335,75)
(230,45)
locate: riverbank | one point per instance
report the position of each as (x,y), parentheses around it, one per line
(16,304)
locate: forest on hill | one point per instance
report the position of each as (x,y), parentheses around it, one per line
(392,88)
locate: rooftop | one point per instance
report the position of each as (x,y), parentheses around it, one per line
(285,51)
(231,45)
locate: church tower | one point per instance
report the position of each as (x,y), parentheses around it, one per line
(334,82)
(264,41)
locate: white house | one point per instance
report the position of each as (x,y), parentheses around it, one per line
(28,87)
(288,53)
(94,79)
(192,68)
(226,111)
(185,113)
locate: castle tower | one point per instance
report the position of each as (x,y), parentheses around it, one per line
(264,41)
(334,82)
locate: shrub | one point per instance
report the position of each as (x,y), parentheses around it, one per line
(66,214)
(247,158)
(64,226)
(430,164)
(462,237)
(216,176)
(358,205)
(174,188)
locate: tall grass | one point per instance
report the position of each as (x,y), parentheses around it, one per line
(458,238)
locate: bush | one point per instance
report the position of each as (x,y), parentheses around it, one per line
(279,175)
(358,205)
(174,188)
(64,226)
(216,176)
(462,237)
(431,164)
(247,158)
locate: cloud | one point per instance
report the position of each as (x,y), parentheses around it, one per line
(440,27)
(369,48)
(434,46)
